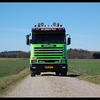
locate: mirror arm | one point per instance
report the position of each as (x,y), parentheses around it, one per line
(29,34)
(68,34)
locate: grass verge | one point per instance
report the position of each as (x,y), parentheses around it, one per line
(85,69)
(8,83)
(12,71)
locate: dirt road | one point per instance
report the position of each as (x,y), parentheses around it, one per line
(49,85)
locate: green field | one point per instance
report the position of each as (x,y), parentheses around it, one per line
(12,66)
(12,70)
(86,69)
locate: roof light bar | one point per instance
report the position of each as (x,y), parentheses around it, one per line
(54,24)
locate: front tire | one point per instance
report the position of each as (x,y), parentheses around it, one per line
(63,73)
(32,74)
(57,73)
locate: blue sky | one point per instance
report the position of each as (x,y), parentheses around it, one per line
(81,20)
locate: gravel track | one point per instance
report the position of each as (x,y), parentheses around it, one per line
(49,85)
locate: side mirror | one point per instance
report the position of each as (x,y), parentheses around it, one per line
(27,39)
(68,41)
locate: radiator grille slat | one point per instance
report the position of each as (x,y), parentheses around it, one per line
(48,52)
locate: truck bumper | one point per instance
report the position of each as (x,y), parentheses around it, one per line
(37,68)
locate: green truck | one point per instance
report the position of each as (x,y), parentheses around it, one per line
(48,49)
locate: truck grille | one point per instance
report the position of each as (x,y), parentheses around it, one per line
(48,52)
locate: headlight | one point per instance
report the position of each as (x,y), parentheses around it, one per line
(63,61)
(63,67)
(34,61)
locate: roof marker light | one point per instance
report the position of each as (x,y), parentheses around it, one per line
(57,24)
(38,24)
(42,24)
(60,25)
(54,24)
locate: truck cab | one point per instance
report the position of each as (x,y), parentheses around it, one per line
(48,49)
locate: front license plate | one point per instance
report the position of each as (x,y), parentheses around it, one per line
(48,67)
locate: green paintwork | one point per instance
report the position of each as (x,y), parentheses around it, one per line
(48,53)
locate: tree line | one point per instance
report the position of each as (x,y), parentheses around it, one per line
(14,54)
(71,54)
(82,54)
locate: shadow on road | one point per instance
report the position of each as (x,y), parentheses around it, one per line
(70,75)
(48,75)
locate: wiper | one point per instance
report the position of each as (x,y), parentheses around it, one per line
(53,41)
(46,42)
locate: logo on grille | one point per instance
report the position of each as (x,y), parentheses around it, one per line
(48,45)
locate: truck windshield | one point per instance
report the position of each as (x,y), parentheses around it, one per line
(48,38)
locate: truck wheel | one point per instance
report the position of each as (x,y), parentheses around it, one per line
(32,74)
(63,73)
(57,73)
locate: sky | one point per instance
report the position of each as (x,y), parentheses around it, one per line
(81,21)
